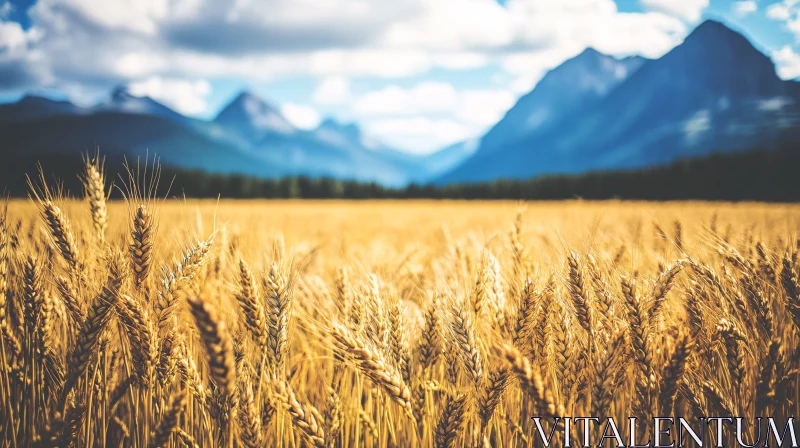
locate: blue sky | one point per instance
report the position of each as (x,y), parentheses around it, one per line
(417,74)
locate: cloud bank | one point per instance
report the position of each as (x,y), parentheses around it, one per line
(173,50)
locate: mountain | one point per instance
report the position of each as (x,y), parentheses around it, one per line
(119,135)
(336,150)
(350,135)
(451,156)
(582,80)
(249,136)
(32,107)
(715,91)
(123,101)
(343,134)
(253,119)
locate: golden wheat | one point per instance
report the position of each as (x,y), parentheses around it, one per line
(384,323)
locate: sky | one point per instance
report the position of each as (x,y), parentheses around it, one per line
(415,74)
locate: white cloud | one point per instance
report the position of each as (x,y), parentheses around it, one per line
(430,114)
(484,107)
(88,46)
(187,97)
(689,10)
(139,16)
(551,32)
(787,11)
(744,8)
(782,10)
(787,62)
(136,64)
(462,61)
(390,64)
(301,116)
(5,10)
(425,97)
(99,40)
(419,134)
(524,84)
(14,39)
(333,90)
(454,25)
(479,107)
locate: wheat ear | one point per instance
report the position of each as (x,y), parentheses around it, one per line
(278,301)
(96,319)
(169,421)
(141,248)
(218,344)
(372,364)
(304,417)
(93,179)
(450,421)
(250,304)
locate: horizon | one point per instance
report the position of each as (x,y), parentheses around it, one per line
(421,109)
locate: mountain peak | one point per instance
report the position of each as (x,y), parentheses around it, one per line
(123,93)
(247,95)
(337,132)
(723,61)
(589,52)
(120,91)
(252,103)
(349,129)
(711,25)
(713,34)
(125,101)
(578,81)
(252,117)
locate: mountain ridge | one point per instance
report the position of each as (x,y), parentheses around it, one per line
(583,78)
(705,94)
(248,128)
(714,91)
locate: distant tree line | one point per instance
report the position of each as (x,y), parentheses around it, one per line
(751,175)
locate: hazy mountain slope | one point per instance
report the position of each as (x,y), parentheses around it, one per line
(450,156)
(130,135)
(577,82)
(253,119)
(31,107)
(250,136)
(124,102)
(336,150)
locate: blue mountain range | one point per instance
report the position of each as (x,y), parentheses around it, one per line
(714,92)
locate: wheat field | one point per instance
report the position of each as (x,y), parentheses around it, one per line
(170,323)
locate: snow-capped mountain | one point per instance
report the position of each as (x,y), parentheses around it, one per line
(253,118)
(123,101)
